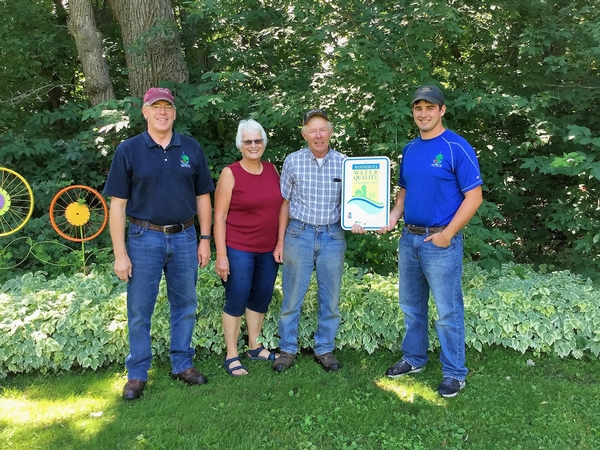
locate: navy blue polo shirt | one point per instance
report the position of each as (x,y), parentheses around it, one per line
(160,185)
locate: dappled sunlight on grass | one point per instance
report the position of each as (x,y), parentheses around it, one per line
(409,390)
(308,408)
(77,408)
(18,411)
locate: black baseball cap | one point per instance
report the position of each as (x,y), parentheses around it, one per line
(431,94)
(314,112)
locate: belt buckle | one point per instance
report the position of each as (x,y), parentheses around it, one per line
(171,229)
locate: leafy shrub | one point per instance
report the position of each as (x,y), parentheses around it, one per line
(524,310)
(374,252)
(80,321)
(50,324)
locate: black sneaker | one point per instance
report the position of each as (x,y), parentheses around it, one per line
(402,368)
(450,387)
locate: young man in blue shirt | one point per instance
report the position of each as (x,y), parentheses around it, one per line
(440,191)
(159,180)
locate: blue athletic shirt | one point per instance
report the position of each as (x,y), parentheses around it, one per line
(436,173)
(160,185)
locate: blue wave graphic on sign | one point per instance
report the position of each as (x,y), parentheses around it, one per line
(368,206)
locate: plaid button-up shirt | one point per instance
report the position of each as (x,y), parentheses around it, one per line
(314,192)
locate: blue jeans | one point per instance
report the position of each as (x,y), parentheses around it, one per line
(250,281)
(308,247)
(423,267)
(151,253)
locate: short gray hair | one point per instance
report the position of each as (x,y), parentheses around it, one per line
(249,125)
(329,127)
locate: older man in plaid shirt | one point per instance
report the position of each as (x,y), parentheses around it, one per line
(311,238)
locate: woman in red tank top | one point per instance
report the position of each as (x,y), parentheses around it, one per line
(247,203)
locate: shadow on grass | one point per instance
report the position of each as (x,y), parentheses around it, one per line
(507,404)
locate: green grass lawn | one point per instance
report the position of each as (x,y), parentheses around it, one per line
(512,401)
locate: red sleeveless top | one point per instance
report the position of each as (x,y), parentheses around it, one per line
(253,216)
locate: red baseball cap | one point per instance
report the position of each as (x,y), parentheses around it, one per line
(154,94)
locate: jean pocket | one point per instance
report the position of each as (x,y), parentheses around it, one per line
(190,232)
(293,230)
(443,248)
(135,231)
(337,233)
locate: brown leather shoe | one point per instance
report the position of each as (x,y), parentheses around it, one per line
(133,389)
(284,362)
(190,376)
(328,361)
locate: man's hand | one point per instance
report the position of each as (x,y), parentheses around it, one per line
(385,229)
(203,253)
(122,267)
(438,239)
(358,229)
(389,227)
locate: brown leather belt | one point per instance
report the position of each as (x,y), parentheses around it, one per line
(424,230)
(167,229)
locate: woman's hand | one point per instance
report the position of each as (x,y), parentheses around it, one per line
(222,267)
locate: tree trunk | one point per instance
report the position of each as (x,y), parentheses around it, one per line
(192,38)
(152,43)
(82,26)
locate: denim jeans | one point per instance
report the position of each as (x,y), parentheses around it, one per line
(307,247)
(151,254)
(250,281)
(424,267)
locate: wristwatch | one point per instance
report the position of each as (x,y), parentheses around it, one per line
(205,236)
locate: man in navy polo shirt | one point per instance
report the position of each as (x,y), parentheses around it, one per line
(440,191)
(159,180)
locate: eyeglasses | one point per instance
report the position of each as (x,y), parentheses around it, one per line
(250,141)
(162,107)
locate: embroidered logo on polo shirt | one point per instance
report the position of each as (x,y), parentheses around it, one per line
(437,162)
(184,160)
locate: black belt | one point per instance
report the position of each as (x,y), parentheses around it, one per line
(424,230)
(167,229)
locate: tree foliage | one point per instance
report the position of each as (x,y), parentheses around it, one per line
(521,81)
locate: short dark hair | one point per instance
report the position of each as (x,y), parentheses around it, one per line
(440,105)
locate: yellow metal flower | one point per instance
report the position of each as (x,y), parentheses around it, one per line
(77,214)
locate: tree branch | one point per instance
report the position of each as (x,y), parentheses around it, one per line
(39,93)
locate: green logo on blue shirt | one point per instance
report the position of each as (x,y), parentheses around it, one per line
(437,162)
(184,160)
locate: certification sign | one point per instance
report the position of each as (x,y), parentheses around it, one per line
(365,192)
